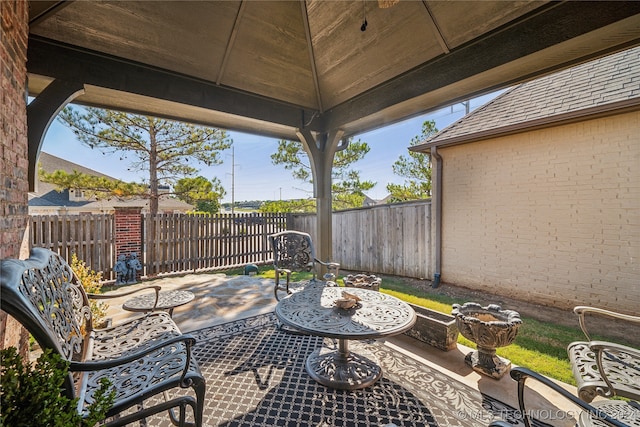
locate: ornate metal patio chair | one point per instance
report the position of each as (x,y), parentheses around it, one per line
(617,413)
(293,251)
(604,368)
(142,358)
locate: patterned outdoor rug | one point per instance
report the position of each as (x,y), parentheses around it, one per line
(256,377)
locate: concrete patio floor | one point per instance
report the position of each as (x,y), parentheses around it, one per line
(220,298)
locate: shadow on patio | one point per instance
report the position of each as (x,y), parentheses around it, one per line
(256,373)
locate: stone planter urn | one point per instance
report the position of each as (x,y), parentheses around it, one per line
(363,281)
(434,328)
(489,327)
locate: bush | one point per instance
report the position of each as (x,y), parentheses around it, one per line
(31,395)
(91,282)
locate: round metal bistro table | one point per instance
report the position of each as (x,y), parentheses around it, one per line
(167,300)
(377,315)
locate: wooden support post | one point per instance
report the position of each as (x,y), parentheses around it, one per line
(321,151)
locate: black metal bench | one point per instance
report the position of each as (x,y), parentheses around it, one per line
(606,412)
(143,358)
(604,368)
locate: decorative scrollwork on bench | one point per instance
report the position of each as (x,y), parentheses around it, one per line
(142,357)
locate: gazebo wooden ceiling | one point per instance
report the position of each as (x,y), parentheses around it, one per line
(303,69)
(270,67)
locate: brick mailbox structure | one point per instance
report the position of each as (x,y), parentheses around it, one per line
(128,238)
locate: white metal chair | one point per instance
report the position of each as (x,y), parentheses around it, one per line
(604,368)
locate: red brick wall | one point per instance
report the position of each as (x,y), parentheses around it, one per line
(13,136)
(128,224)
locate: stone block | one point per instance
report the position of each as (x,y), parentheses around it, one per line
(434,328)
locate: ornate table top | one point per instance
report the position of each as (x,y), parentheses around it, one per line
(312,310)
(166,300)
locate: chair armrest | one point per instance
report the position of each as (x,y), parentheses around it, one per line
(521,374)
(332,267)
(600,348)
(156,288)
(500,423)
(188,340)
(582,310)
(75,366)
(604,345)
(328,264)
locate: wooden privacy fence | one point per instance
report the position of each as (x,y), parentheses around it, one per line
(89,236)
(390,239)
(387,239)
(176,242)
(173,243)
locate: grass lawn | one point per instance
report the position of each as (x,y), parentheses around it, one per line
(540,346)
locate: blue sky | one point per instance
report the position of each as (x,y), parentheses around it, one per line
(253,174)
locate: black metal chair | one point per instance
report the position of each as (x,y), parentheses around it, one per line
(617,413)
(604,368)
(293,251)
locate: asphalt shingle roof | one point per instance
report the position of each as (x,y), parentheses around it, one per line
(607,80)
(47,195)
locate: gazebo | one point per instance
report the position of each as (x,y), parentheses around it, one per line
(315,71)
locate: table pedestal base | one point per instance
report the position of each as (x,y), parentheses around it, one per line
(342,369)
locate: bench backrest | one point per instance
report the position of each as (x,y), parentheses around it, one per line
(45,296)
(293,250)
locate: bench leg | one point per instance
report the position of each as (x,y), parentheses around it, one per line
(198,409)
(181,402)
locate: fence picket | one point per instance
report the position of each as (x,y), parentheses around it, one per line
(89,236)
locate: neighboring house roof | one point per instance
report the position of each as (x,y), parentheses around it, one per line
(53,198)
(165,204)
(368,201)
(46,195)
(601,87)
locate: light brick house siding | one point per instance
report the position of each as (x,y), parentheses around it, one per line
(541,189)
(13,134)
(551,215)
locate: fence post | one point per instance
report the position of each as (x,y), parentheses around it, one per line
(128,230)
(290,224)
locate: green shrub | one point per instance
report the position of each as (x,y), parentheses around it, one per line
(31,395)
(91,282)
